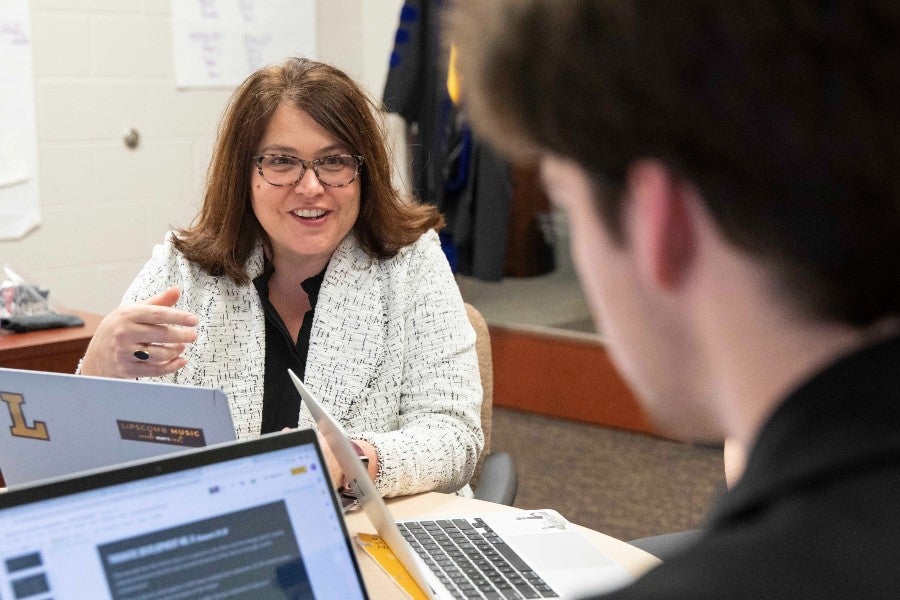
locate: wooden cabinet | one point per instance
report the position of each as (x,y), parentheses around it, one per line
(564,376)
(57,350)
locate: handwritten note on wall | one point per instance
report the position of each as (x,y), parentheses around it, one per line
(217,43)
(19,201)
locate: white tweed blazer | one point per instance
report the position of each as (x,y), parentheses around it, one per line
(391,355)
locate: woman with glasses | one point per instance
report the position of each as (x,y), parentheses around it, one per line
(304,256)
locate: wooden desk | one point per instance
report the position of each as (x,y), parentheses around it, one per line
(56,350)
(382,587)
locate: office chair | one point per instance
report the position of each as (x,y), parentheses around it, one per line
(495,478)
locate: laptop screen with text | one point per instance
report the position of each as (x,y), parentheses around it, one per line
(253,519)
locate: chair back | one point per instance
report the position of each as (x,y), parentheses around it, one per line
(486,369)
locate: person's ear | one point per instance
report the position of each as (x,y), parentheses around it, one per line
(660,226)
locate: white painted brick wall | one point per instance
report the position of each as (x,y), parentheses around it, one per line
(103,66)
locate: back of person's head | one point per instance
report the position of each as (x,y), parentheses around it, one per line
(226,230)
(783,113)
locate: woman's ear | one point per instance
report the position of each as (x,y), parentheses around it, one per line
(659,223)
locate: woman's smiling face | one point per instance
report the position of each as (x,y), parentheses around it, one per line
(307,221)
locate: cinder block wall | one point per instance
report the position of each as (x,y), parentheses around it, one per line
(104,66)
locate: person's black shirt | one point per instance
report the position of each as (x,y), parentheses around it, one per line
(815,513)
(281,402)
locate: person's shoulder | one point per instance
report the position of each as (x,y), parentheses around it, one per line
(168,257)
(167,249)
(168,253)
(423,258)
(776,547)
(428,245)
(704,571)
(426,248)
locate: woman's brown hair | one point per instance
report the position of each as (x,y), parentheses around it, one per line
(226,230)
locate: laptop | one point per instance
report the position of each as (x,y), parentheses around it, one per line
(526,554)
(53,424)
(252,519)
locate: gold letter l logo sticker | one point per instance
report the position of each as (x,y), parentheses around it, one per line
(19,427)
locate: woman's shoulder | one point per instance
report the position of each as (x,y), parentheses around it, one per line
(168,266)
(422,259)
(351,253)
(168,256)
(419,267)
(428,240)
(427,247)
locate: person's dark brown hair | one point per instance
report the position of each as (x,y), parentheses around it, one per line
(226,230)
(784,113)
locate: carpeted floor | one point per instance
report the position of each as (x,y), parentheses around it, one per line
(623,484)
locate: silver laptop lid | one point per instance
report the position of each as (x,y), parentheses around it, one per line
(254,519)
(567,560)
(366,494)
(54,424)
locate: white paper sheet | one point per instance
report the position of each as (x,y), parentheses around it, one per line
(217,43)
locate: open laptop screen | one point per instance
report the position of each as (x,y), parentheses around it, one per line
(254,519)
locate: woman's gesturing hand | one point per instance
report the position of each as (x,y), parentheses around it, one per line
(141,340)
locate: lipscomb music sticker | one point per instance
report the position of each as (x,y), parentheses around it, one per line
(161,434)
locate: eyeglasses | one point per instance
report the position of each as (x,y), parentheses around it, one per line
(333,171)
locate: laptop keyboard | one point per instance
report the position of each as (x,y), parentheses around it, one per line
(472,561)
